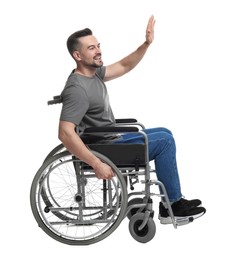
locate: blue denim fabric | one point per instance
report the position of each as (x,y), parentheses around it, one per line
(162,150)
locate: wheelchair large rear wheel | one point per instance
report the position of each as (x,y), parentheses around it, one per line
(74,207)
(58,149)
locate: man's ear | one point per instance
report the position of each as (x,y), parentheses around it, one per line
(76,55)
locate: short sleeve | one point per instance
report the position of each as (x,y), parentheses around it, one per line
(75,104)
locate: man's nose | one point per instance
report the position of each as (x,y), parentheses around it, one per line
(98,50)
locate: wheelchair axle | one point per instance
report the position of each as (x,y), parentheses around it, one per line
(78,198)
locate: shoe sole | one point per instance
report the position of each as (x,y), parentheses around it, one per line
(180,220)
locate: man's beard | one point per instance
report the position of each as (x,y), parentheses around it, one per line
(97,65)
(93,65)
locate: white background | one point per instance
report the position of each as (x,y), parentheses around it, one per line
(188,82)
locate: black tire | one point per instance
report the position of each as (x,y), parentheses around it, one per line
(58,149)
(147,233)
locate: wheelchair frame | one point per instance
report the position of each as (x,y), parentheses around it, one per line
(74,207)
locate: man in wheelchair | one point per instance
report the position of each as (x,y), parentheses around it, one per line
(86,104)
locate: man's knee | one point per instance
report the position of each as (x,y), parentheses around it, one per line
(157,130)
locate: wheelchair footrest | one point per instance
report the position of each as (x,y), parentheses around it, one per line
(184,221)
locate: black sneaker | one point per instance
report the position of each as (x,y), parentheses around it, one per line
(191,203)
(181,210)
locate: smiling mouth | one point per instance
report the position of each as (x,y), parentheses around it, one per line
(98,57)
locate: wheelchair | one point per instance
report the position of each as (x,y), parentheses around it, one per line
(74,207)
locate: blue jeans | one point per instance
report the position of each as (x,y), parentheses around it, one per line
(162,150)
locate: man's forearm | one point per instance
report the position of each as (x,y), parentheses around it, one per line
(126,64)
(75,145)
(130,61)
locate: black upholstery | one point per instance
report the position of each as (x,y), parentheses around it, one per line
(123,155)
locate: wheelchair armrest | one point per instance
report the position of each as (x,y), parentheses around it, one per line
(126,120)
(129,122)
(115,129)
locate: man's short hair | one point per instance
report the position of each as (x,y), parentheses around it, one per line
(72,41)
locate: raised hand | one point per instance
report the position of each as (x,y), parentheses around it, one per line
(150,30)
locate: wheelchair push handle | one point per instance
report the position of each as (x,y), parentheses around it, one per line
(55,100)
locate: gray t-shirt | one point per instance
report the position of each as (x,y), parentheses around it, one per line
(86,101)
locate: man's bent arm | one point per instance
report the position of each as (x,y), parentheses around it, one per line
(75,145)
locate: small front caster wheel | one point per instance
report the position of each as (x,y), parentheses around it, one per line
(146,233)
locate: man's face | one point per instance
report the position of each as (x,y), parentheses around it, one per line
(90,52)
